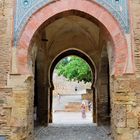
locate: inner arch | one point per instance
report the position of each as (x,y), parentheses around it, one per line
(70,52)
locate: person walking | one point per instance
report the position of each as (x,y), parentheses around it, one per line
(59,97)
(83,110)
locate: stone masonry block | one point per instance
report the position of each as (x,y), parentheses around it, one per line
(119,112)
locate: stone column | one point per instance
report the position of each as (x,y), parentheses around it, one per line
(103,100)
(41,83)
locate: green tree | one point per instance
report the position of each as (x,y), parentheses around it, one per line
(74,68)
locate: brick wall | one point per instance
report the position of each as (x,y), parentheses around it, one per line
(135,13)
(6,18)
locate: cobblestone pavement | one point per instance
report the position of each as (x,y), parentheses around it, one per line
(72,132)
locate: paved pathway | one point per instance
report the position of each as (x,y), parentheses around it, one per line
(71,118)
(70,125)
(72,132)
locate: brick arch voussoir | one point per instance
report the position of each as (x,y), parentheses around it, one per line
(91,8)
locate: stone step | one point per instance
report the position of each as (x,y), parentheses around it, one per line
(72,110)
(74,103)
(74,107)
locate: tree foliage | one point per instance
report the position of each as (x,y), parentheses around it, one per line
(74,68)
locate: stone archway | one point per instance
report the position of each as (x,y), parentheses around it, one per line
(49,13)
(84,56)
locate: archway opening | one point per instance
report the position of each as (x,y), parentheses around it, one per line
(70,35)
(73,93)
(64,30)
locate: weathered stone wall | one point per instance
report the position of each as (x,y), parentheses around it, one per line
(125,109)
(63,86)
(135,15)
(15,91)
(16,108)
(125,91)
(6,23)
(135,4)
(6,94)
(5,111)
(21,104)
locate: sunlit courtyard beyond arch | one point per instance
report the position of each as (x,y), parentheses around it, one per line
(72,87)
